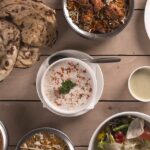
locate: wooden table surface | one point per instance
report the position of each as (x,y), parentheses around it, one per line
(21,109)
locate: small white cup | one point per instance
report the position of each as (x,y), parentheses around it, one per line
(90,105)
(129,84)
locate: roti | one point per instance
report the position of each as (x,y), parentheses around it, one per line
(27,56)
(9,45)
(37,5)
(37,25)
(35,29)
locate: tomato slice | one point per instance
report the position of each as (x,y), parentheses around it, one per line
(145,135)
(119,137)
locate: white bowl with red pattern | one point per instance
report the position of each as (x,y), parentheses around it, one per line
(69,112)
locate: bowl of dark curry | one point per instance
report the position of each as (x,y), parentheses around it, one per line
(3,137)
(98,19)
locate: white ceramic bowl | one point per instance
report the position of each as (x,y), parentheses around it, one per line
(94,136)
(147,18)
(70,113)
(129,85)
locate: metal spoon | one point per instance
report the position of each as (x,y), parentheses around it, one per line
(95,60)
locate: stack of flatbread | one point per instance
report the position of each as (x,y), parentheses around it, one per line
(26,26)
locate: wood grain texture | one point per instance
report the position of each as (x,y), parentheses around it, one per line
(116,77)
(21,117)
(140,4)
(20,85)
(132,40)
(57,4)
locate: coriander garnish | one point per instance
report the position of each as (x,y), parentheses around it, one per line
(66,86)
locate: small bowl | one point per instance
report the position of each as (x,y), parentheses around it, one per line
(56,132)
(90,105)
(4,136)
(100,127)
(129,86)
(98,36)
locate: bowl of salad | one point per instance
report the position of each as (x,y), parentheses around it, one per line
(122,131)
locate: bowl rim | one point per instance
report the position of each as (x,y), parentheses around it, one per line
(4,135)
(67,113)
(129,86)
(57,132)
(145,18)
(96,36)
(125,113)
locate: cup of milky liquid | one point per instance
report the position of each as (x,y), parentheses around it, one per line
(139,84)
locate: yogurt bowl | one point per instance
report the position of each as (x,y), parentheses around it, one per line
(69,87)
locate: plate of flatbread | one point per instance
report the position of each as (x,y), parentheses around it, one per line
(26,27)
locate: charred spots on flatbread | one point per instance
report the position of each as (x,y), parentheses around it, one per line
(10,51)
(10,37)
(8,17)
(29,25)
(23,8)
(48,13)
(6,63)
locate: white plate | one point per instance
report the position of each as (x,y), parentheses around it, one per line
(76,54)
(147,18)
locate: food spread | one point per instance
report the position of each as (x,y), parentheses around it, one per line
(27,26)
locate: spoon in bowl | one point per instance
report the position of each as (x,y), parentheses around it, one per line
(94,60)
